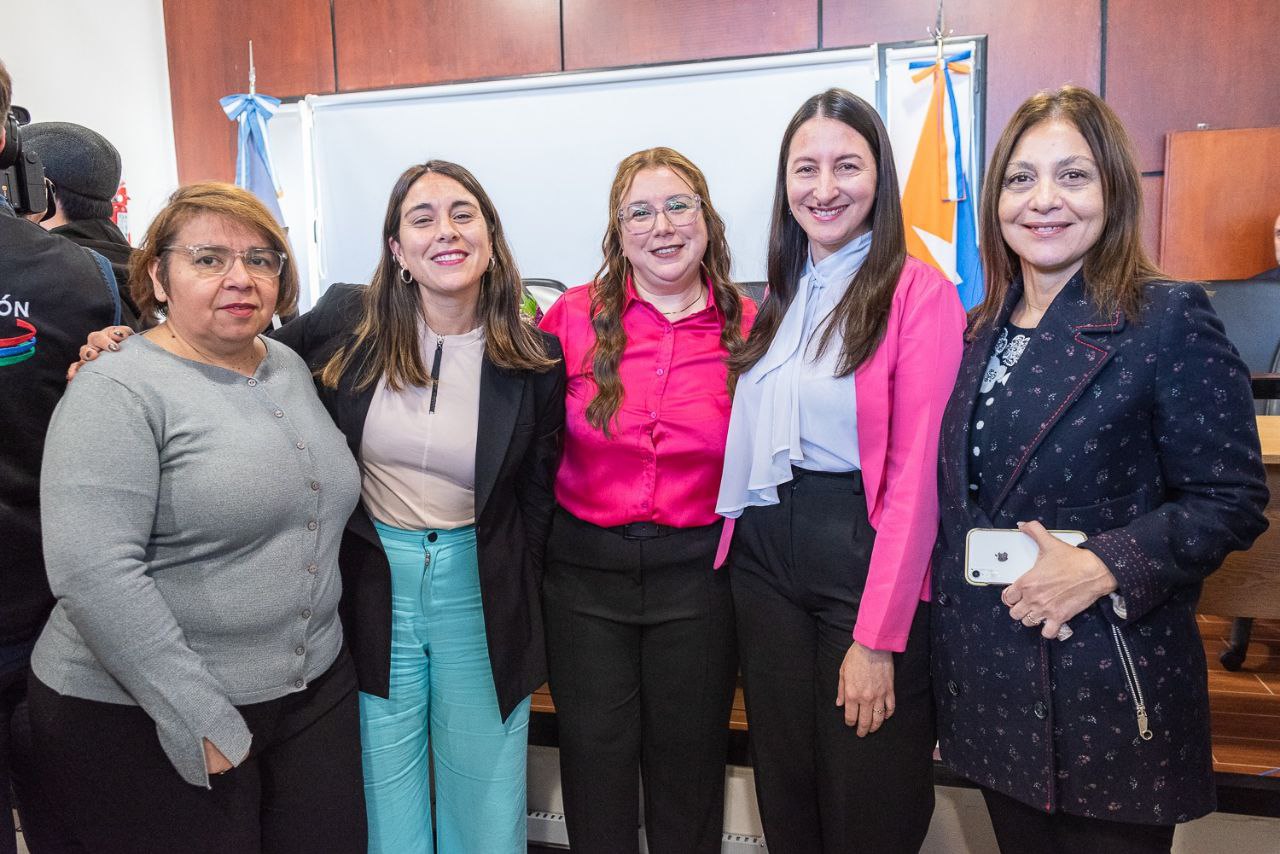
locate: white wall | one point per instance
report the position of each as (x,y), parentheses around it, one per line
(102,65)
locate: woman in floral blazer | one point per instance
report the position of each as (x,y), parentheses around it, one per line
(1094,397)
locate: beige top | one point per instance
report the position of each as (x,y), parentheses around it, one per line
(420,465)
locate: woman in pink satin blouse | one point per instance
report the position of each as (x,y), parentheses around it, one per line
(640,632)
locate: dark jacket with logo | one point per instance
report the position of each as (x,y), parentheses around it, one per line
(1141,435)
(517,448)
(105,238)
(54,285)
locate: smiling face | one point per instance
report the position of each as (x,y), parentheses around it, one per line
(831,184)
(668,259)
(220,314)
(443,239)
(1051,202)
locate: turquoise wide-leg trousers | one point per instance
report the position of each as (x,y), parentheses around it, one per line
(442,699)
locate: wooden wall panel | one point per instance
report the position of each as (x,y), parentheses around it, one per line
(1220,197)
(1152,211)
(610,33)
(209,58)
(1171,65)
(1031,44)
(416,42)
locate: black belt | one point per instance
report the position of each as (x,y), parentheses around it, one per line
(644,530)
(854,477)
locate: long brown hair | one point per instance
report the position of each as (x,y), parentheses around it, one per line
(214,199)
(608,292)
(391,309)
(1116,267)
(862,314)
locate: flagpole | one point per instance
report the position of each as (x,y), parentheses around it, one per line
(253,74)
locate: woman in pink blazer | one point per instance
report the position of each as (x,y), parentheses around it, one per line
(831,473)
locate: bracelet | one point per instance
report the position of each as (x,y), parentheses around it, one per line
(19,339)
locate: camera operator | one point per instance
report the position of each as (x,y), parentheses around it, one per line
(52,294)
(84,169)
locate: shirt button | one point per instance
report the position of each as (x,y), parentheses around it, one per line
(659,371)
(300,445)
(653,415)
(279,413)
(953,688)
(944,600)
(300,650)
(1039,710)
(297,683)
(311,526)
(252,381)
(313,569)
(315,486)
(306,613)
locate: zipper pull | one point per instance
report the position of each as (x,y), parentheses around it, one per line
(1143,730)
(435,372)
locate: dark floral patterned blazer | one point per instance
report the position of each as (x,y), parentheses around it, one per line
(1142,435)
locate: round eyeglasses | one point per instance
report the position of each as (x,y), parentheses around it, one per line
(639,218)
(217,260)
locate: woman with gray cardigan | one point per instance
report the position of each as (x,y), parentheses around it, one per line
(192,690)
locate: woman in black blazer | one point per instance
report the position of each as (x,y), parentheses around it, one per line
(1094,397)
(442,561)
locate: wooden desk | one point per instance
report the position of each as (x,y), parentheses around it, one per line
(1248,584)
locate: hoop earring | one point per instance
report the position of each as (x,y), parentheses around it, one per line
(405,275)
(491,263)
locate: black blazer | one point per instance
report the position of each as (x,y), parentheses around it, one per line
(521,416)
(1142,435)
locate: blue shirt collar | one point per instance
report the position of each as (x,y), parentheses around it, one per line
(838,268)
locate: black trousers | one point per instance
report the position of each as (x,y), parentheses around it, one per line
(300,789)
(1021,828)
(43,828)
(799,568)
(641,654)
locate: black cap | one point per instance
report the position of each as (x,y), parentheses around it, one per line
(75,158)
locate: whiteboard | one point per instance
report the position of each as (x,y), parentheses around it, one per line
(546,148)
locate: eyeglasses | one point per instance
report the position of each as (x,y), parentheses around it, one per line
(217,260)
(640,217)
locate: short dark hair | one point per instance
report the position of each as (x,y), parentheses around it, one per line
(75,207)
(6,92)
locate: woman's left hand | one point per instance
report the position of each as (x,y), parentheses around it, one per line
(1063,582)
(866,688)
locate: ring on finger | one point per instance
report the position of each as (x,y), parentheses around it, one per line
(877,711)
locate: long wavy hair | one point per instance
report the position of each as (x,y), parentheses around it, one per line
(861,315)
(1116,267)
(608,292)
(391,309)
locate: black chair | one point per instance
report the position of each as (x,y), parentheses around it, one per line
(1250,312)
(755,290)
(543,291)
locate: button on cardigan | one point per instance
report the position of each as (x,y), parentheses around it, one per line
(191,538)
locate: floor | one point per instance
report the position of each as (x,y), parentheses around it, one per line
(1245,704)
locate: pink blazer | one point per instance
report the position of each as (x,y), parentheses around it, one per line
(902,391)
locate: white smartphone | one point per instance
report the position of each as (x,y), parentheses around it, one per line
(1002,555)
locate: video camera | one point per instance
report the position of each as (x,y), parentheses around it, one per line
(21,172)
